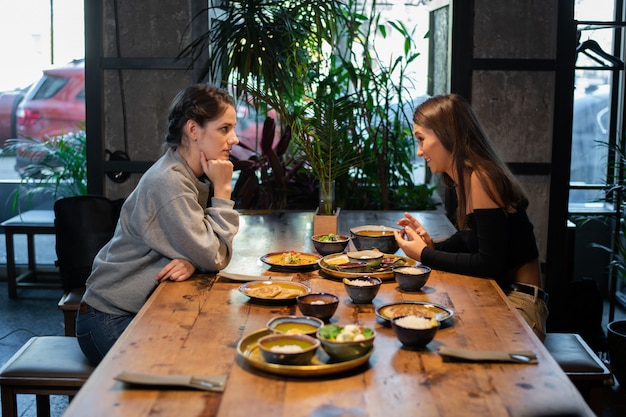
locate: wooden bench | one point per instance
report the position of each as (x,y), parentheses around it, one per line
(29,223)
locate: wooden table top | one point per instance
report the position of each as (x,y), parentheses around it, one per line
(193,328)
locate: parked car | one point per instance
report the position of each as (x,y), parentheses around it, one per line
(9,101)
(55,104)
(52,106)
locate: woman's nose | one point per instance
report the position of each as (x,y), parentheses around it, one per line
(234,139)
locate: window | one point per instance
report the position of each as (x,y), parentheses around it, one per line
(31,42)
(597,128)
(595,81)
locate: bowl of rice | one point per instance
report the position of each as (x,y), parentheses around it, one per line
(288,349)
(415,331)
(362,290)
(411,278)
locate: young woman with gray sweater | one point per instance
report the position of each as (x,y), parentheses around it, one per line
(180,218)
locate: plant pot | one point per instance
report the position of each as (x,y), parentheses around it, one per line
(616,337)
(324,224)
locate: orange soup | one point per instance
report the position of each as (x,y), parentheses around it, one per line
(374,233)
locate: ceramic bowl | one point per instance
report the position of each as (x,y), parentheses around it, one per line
(341,350)
(329,244)
(415,331)
(375,237)
(411,278)
(295,325)
(372,258)
(362,290)
(320,305)
(288,349)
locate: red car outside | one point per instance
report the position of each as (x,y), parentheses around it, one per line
(55,104)
(8,107)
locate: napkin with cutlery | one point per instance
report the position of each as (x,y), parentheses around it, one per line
(520,356)
(207,383)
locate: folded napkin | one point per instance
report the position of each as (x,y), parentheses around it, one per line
(520,356)
(244,277)
(208,383)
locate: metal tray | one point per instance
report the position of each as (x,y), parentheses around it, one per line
(320,365)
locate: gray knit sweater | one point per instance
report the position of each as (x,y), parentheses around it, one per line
(164,218)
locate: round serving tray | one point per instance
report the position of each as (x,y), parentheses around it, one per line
(320,365)
(327,262)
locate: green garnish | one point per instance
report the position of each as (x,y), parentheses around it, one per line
(348,332)
(330,332)
(331,237)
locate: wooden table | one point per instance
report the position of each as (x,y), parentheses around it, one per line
(193,328)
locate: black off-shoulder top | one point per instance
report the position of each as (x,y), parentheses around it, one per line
(496,243)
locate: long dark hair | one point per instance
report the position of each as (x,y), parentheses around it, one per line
(201,103)
(454,122)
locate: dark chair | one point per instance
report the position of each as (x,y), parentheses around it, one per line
(44,366)
(48,365)
(83,225)
(581,365)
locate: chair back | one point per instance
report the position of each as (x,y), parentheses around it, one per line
(83,224)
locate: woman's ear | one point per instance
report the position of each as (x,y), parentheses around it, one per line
(191,130)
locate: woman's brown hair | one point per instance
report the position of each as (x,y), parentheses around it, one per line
(454,122)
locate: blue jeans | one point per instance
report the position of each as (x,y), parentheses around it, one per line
(97,331)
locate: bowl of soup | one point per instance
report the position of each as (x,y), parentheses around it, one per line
(295,325)
(375,237)
(288,349)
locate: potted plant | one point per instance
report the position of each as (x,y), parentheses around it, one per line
(56,166)
(314,62)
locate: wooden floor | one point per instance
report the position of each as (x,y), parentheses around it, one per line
(35,313)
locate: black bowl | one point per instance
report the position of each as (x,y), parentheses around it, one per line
(321,305)
(362,290)
(375,237)
(411,278)
(407,331)
(328,247)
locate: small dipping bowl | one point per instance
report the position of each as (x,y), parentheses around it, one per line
(362,290)
(411,278)
(375,237)
(321,305)
(330,243)
(295,325)
(415,331)
(288,349)
(372,258)
(345,351)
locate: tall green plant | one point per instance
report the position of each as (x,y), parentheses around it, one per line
(259,43)
(383,88)
(314,62)
(57,166)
